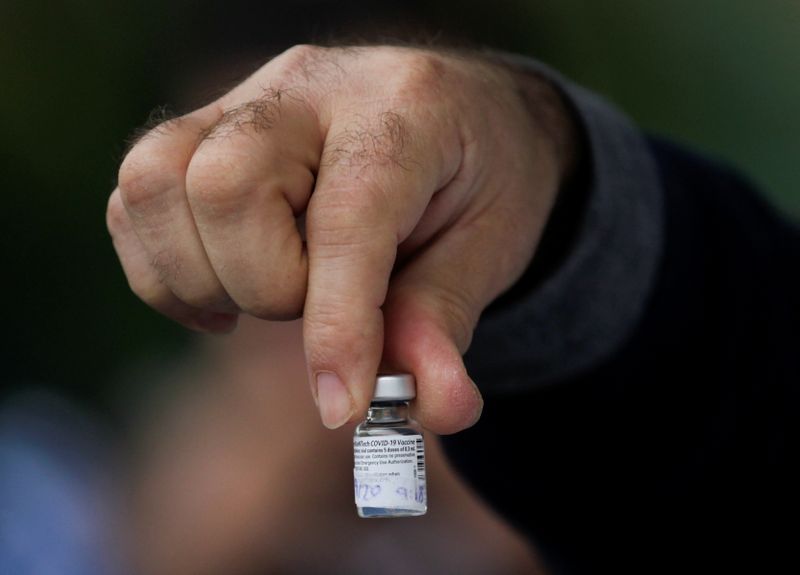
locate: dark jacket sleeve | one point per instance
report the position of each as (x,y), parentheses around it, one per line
(642,401)
(586,307)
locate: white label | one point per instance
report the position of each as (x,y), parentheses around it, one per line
(389,472)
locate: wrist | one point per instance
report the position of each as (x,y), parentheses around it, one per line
(558,126)
(554,118)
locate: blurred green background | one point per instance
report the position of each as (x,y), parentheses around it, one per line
(79,75)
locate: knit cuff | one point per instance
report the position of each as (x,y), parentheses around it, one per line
(587,308)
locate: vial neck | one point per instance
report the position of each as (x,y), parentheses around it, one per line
(388,412)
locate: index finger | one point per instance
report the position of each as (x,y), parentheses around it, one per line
(377,176)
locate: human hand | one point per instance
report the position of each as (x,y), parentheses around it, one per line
(424,180)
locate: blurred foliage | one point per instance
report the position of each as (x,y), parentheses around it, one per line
(722,75)
(78,75)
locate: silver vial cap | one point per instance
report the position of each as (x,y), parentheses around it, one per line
(395,387)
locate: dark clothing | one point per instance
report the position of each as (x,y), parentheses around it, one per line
(667,445)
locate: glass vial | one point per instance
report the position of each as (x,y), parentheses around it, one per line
(389,450)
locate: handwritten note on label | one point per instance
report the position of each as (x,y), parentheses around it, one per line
(389,471)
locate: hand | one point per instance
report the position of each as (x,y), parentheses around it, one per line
(423,181)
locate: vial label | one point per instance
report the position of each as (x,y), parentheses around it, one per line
(389,472)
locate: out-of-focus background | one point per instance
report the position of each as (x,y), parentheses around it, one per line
(77,76)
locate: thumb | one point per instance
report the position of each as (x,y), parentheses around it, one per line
(432,307)
(420,339)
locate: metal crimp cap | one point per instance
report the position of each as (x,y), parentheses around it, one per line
(395,387)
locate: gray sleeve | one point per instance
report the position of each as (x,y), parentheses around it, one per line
(588,307)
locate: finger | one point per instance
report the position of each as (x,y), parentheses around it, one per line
(144,280)
(374,183)
(152,187)
(433,306)
(247,183)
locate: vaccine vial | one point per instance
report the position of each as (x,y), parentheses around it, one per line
(389,453)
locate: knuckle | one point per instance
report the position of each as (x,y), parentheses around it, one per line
(329,335)
(143,179)
(273,304)
(215,185)
(345,225)
(116,215)
(198,290)
(459,314)
(201,296)
(298,59)
(420,73)
(377,141)
(254,117)
(167,265)
(300,53)
(344,209)
(311,72)
(147,288)
(275,292)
